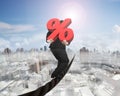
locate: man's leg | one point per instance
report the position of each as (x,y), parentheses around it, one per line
(61,56)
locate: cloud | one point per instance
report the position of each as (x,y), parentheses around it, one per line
(100,41)
(35,41)
(4,44)
(116,28)
(18,45)
(114,45)
(10,28)
(21,43)
(16,38)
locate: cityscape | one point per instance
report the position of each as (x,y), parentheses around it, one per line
(26,62)
(92,73)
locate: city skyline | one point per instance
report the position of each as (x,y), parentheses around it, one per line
(96,23)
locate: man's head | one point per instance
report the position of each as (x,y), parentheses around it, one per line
(61,21)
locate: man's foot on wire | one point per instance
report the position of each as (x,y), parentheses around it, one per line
(54,74)
(58,71)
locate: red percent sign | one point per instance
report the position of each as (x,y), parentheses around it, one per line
(60,30)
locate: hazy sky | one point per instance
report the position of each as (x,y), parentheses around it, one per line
(96,23)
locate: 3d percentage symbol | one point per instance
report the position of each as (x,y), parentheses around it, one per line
(60,30)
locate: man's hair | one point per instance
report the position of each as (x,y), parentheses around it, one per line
(61,21)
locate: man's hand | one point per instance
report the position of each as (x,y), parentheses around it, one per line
(65,42)
(49,41)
